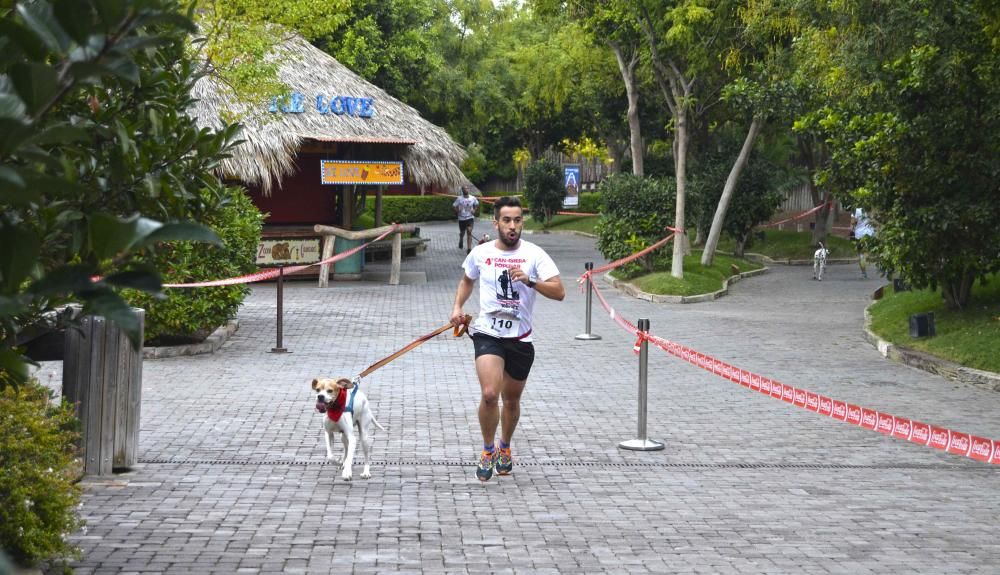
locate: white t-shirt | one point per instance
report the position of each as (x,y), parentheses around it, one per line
(466,207)
(505,306)
(863,226)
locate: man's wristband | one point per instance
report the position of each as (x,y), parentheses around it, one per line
(530,283)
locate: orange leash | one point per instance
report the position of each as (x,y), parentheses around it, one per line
(458,331)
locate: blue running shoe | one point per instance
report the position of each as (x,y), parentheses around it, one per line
(486,462)
(505,462)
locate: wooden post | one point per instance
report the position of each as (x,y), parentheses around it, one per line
(378,207)
(102,374)
(324,270)
(331,232)
(397,258)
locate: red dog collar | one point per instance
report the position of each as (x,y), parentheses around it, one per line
(336,409)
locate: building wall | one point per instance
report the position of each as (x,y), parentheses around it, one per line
(303,200)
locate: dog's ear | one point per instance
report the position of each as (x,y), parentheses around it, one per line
(345,383)
(315,385)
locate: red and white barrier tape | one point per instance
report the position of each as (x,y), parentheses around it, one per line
(800,216)
(626,259)
(275,272)
(958,443)
(490,200)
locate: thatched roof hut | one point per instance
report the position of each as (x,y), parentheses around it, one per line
(430,156)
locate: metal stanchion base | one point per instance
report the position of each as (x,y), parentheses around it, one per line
(641,445)
(279,350)
(587,336)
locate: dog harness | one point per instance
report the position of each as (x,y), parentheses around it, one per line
(343,404)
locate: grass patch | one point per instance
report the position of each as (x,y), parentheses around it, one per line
(565,223)
(697,278)
(786,244)
(970,337)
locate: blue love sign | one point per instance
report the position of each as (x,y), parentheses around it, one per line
(294,103)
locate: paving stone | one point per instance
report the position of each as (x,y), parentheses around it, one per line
(233,476)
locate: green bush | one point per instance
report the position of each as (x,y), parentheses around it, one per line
(39,468)
(544,190)
(192,314)
(637,211)
(590,202)
(406,209)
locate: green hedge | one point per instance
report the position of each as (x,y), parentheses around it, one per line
(406,209)
(192,314)
(39,469)
(590,202)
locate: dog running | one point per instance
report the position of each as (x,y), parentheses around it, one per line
(346,407)
(819,262)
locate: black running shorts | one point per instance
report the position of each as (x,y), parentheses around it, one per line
(517,355)
(465,224)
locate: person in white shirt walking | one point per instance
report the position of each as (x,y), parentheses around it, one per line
(510,272)
(861,228)
(465,206)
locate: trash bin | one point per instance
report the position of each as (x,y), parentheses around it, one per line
(102,375)
(351,266)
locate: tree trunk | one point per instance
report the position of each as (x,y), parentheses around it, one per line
(821,219)
(727,192)
(627,69)
(741,243)
(956,292)
(680,163)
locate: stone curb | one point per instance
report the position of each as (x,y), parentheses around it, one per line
(929,363)
(762,259)
(210,345)
(655,298)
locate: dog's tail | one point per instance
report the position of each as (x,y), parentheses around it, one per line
(821,246)
(377,424)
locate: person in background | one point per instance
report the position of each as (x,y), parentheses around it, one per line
(511,272)
(861,228)
(465,206)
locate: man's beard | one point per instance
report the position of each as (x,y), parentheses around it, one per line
(510,242)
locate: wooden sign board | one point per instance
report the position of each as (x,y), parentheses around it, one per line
(361,173)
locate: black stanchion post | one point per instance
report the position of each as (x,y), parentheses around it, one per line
(589,266)
(281,290)
(642,443)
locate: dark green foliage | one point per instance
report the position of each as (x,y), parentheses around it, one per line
(195,312)
(758,193)
(918,144)
(95,151)
(637,211)
(591,203)
(406,209)
(544,190)
(38,473)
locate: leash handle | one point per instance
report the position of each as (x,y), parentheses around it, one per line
(457,330)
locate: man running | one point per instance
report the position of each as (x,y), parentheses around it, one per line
(465,206)
(510,272)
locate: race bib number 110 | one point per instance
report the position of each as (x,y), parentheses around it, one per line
(504,325)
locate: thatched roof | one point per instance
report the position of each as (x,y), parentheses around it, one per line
(272,140)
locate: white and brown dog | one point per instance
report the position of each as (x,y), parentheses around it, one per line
(819,262)
(346,406)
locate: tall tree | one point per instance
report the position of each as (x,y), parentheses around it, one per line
(912,120)
(612,24)
(684,38)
